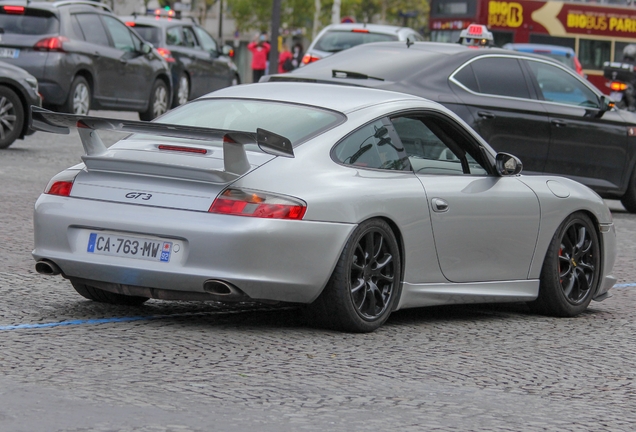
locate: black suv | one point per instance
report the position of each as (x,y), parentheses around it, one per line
(84,57)
(197,63)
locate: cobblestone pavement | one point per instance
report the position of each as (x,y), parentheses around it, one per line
(182,366)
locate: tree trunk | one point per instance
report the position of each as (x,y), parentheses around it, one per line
(316,20)
(335,12)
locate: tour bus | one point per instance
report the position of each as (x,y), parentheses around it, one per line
(597,31)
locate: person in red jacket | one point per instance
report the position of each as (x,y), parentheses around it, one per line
(260,50)
(285,60)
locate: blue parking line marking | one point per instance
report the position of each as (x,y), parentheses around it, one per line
(96,321)
(625,285)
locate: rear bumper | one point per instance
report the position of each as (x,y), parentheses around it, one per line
(608,242)
(267,259)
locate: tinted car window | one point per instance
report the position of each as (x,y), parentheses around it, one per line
(335,41)
(431,150)
(174,36)
(557,85)
(500,76)
(466,76)
(120,34)
(149,34)
(33,22)
(189,38)
(93,29)
(206,41)
(372,147)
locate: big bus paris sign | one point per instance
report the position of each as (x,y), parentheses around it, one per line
(597,33)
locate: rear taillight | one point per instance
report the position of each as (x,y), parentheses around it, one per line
(356,30)
(130,23)
(166,54)
(240,202)
(618,86)
(51,44)
(62,183)
(308,58)
(578,67)
(14,10)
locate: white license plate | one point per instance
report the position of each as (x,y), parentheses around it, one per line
(9,53)
(129,247)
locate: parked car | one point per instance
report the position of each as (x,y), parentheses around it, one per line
(198,65)
(18,91)
(84,57)
(565,55)
(337,37)
(555,121)
(354,201)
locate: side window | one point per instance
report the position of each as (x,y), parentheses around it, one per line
(93,29)
(434,146)
(189,38)
(120,34)
(174,36)
(371,146)
(207,42)
(500,76)
(557,85)
(77,30)
(593,53)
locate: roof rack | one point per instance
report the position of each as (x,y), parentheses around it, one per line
(84,3)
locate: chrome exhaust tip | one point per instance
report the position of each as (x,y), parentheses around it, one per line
(47,268)
(221,288)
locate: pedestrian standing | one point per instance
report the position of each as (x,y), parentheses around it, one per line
(260,51)
(297,54)
(285,60)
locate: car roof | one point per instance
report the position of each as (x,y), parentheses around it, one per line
(343,99)
(373,28)
(53,6)
(151,20)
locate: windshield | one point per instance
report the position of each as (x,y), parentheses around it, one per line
(32,22)
(149,34)
(298,123)
(335,41)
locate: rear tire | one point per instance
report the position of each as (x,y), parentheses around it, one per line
(158,103)
(629,199)
(102,296)
(79,97)
(182,93)
(571,269)
(12,117)
(364,286)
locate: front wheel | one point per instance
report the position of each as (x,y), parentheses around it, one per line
(571,269)
(629,199)
(158,103)
(183,91)
(364,286)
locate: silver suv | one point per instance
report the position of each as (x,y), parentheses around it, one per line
(338,37)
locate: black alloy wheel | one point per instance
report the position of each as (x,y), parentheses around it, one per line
(365,284)
(571,270)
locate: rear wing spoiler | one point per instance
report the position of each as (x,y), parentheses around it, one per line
(234,156)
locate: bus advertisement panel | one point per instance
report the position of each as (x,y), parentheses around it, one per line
(597,32)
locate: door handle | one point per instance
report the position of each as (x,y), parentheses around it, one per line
(439,205)
(486,115)
(97,54)
(558,123)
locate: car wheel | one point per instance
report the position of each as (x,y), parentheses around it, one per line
(99,295)
(183,91)
(79,98)
(158,103)
(11,117)
(571,269)
(364,286)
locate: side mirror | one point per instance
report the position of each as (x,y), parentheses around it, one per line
(606,104)
(507,164)
(146,48)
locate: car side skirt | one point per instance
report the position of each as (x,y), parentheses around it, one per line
(418,295)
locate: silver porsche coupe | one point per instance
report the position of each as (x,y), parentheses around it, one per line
(351,202)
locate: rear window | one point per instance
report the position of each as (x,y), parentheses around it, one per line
(335,41)
(149,34)
(298,123)
(32,22)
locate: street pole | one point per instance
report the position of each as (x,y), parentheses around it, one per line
(220,22)
(273,51)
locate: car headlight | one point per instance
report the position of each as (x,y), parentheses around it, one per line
(33,82)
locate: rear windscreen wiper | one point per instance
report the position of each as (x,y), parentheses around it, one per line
(357,75)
